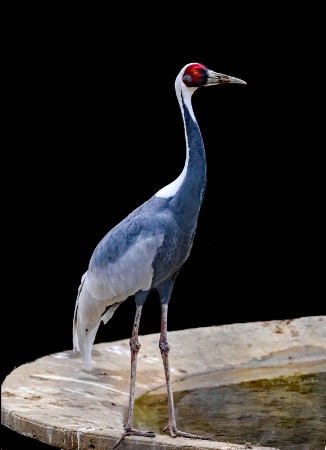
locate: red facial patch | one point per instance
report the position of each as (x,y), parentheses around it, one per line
(195,75)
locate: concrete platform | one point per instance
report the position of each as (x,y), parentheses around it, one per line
(56,401)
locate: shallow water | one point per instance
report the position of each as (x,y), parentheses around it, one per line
(287,412)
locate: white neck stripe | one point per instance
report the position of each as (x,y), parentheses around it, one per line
(184,95)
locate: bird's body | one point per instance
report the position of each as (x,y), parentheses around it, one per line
(147,249)
(149,245)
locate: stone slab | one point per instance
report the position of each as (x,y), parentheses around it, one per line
(57,401)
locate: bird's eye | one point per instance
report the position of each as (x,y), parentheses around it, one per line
(195,71)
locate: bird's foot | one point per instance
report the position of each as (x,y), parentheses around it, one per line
(174,432)
(133,432)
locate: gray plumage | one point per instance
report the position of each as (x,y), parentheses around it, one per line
(147,249)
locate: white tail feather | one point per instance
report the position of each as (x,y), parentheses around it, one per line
(87,319)
(85,341)
(83,338)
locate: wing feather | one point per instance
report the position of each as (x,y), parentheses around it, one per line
(110,284)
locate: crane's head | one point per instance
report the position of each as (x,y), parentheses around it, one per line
(195,75)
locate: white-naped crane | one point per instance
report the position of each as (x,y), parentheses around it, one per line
(147,249)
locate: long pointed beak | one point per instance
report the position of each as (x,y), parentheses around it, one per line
(220,78)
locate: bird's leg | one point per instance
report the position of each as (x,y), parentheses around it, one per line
(165,348)
(134,348)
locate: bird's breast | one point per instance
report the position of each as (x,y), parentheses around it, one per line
(171,255)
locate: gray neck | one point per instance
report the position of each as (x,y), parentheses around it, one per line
(188,198)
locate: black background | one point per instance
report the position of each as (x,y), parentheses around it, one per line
(93,129)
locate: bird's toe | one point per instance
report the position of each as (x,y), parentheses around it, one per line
(133,432)
(174,432)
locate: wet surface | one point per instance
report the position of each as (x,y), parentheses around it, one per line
(214,371)
(286,412)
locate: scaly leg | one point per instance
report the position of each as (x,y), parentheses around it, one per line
(164,347)
(134,347)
